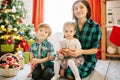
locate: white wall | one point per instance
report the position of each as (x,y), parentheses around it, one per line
(57,12)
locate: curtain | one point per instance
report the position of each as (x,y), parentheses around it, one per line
(96,16)
(37,15)
(96,10)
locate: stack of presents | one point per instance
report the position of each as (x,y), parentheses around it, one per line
(21,49)
(14,57)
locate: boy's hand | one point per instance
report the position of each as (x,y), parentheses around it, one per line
(50,57)
(34,61)
(33,65)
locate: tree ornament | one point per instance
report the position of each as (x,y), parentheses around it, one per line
(2,26)
(32,33)
(24,44)
(8,32)
(3,29)
(9,26)
(6,10)
(17,22)
(19,7)
(20,21)
(6,21)
(1,20)
(19,51)
(5,2)
(17,17)
(20,33)
(15,29)
(9,40)
(13,9)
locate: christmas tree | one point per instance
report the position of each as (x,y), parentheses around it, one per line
(12,26)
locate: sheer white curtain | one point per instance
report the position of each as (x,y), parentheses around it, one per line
(57,12)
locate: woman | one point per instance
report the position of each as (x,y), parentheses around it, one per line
(89,34)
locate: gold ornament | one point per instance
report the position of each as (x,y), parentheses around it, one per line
(2,26)
(15,29)
(19,48)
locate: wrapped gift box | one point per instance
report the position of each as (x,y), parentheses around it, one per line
(7,48)
(26,56)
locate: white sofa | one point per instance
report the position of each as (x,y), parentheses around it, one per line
(55,38)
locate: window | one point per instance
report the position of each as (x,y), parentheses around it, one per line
(28,7)
(57,12)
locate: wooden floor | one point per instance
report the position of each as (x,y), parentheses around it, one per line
(105,70)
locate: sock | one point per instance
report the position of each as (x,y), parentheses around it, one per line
(56,67)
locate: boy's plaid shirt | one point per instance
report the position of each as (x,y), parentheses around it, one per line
(46,47)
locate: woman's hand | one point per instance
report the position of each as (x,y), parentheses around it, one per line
(74,52)
(63,52)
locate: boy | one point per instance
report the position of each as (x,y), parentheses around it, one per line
(40,57)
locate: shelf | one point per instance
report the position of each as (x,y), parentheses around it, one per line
(113,55)
(106,29)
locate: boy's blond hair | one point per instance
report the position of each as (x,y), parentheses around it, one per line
(46,26)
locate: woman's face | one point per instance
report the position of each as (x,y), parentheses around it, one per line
(80,10)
